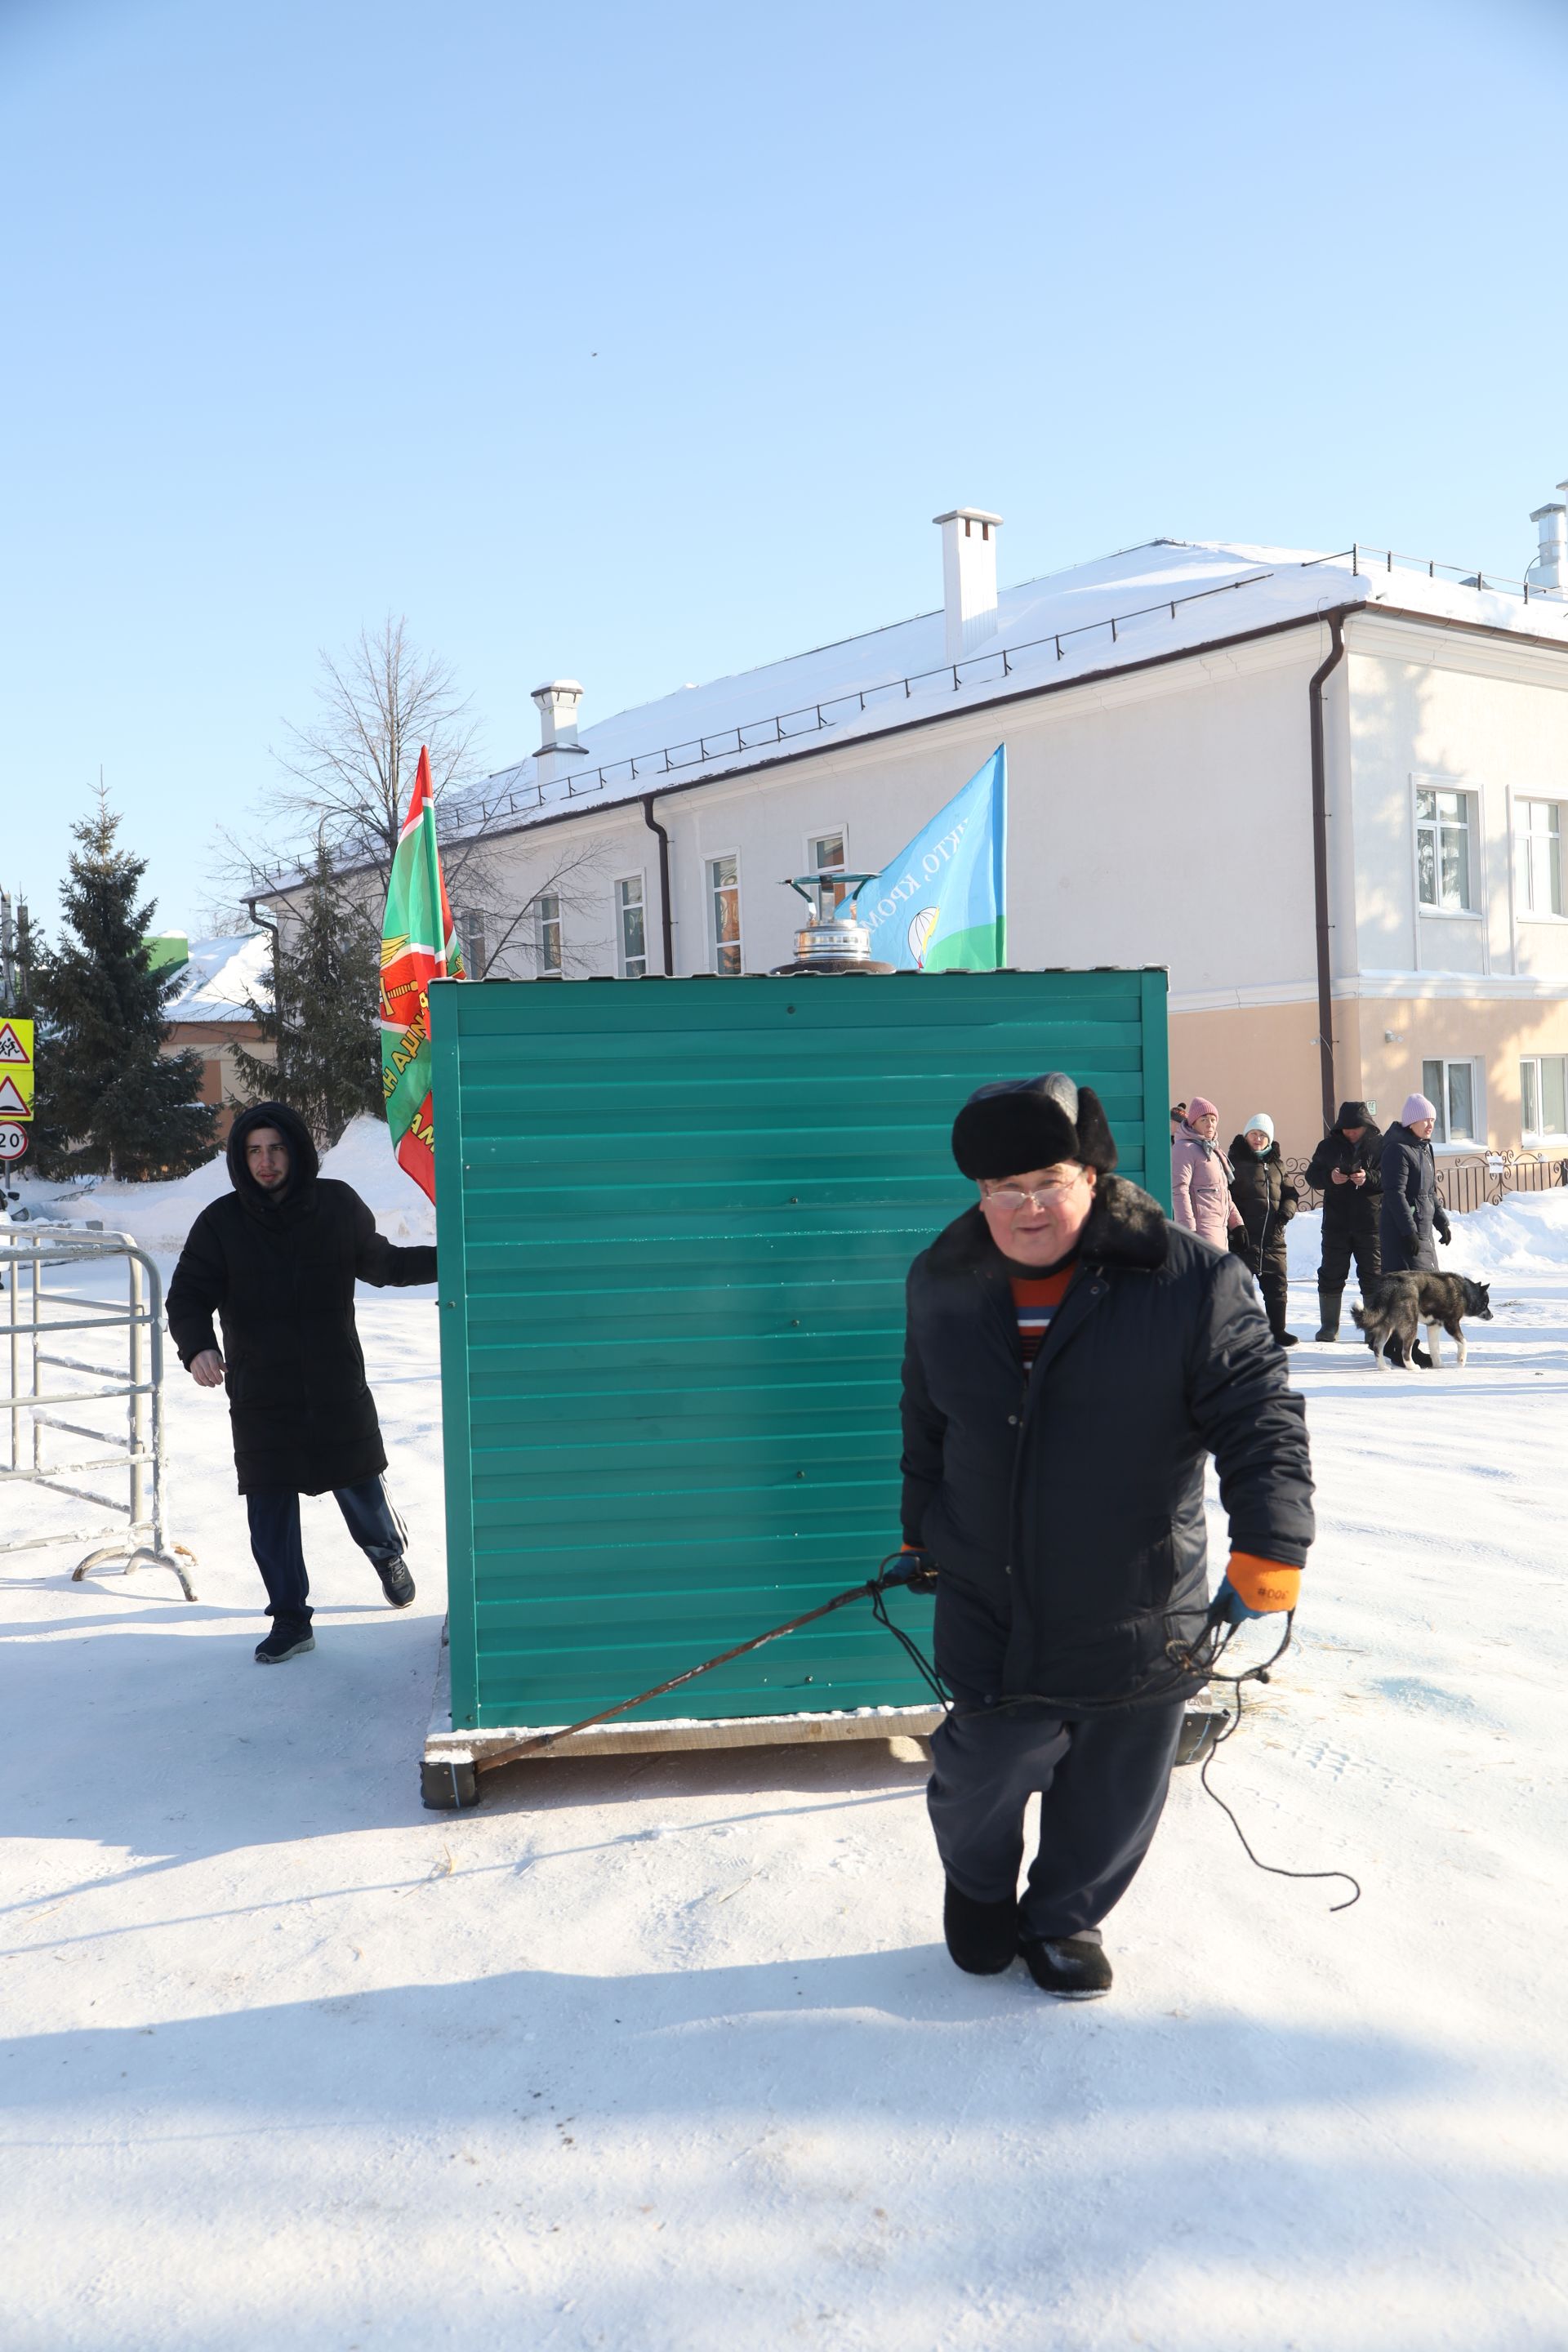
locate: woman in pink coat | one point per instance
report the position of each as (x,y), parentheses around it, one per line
(1200,1176)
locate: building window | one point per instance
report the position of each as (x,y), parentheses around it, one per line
(1544,1084)
(1455,1088)
(825,854)
(724,890)
(631,937)
(547,932)
(472,941)
(1538,857)
(1443,851)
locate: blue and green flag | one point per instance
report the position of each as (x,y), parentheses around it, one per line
(942,905)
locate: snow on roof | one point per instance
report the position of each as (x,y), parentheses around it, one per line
(219,978)
(1169,597)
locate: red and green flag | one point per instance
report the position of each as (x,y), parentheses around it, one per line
(418,945)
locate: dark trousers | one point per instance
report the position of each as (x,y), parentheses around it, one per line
(371,1520)
(1338,1243)
(1102,1780)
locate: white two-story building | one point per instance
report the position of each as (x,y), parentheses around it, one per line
(1327,791)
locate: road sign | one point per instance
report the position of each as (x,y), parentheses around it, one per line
(16,1071)
(13,1141)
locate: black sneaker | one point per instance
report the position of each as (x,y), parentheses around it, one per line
(284,1641)
(1073,1967)
(397,1583)
(982,1937)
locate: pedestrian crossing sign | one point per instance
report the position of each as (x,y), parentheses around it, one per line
(15,1067)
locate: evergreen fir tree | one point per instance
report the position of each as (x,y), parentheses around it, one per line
(124,1107)
(324,1019)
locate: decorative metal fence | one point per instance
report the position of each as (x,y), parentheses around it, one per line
(1471,1182)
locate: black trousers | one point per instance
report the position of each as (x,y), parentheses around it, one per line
(1340,1242)
(1102,1780)
(372,1521)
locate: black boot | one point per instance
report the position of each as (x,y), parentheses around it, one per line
(1074,1967)
(1328,1313)
(982,1937)
(290,1637)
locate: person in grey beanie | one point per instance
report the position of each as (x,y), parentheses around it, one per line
(1072,1357)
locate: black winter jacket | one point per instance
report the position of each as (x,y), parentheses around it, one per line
(1411,1208)
(1265,1195)
(280,1277)
(1067,1513)
(1351,1207)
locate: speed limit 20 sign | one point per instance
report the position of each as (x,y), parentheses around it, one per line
(13,1141)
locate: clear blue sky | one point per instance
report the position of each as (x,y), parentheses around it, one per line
(640,344)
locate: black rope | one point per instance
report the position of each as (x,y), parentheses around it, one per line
(1276,1870)
(1199,1660)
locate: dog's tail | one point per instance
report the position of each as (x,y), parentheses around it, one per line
(1358,1318)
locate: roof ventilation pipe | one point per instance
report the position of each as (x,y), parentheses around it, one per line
(968,578)
(1552,562)
(559,750)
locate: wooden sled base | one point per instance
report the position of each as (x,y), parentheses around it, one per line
(451,1767)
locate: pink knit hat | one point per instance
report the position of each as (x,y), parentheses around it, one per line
(1200,1107)
(1416,1107)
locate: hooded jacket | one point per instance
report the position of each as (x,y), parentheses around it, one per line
(1067,1509)
(1411,1210)
(1265,1195)
(278,1272)
(1200,1186)
(1353,1208)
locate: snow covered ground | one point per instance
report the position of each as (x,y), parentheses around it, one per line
(669,2054)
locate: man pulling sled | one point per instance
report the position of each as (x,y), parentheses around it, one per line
(1072,1357)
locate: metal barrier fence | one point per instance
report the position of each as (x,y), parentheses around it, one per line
(1478,1181)
(37,1318)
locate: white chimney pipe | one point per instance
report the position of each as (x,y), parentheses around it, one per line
(1550,567)
(559,748)
(968,578)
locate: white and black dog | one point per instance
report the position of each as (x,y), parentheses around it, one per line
(1398,1302)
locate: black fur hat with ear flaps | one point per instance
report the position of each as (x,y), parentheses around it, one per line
(1026,1123)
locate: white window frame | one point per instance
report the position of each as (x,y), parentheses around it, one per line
(542,925)
(711,888)
(1541,1134)
(473,926)
(622,908)
(1441,1140)
(814,842)
(1524,911)
(1426,911)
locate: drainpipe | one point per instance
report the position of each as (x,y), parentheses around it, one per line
(653,826)
(1336,621)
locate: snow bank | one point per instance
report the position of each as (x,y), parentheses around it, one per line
(364,1158)
(1525,1233)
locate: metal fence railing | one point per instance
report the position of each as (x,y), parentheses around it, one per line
(64,1346)
(1481,1181)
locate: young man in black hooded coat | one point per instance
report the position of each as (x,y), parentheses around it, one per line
(277,1260)
(1072,1358)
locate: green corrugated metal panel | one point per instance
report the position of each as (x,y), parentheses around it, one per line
(675,1218)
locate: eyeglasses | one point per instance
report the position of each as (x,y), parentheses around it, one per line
(1008,1199)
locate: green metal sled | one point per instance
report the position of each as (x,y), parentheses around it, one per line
(675,1217)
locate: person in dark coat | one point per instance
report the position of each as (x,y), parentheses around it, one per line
(1072,1357)
(275,1260)
(1411,1211)
(1268,1201)
(1347,1169)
